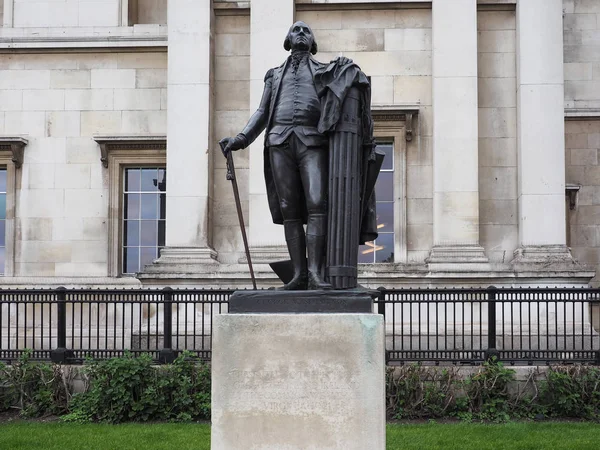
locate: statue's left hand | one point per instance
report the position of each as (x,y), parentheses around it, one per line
(342,60)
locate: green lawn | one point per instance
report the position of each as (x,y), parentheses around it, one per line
(513,436)
(61,436)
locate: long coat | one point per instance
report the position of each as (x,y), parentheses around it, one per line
(332,81)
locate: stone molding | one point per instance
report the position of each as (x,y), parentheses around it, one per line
(582,113)
(390,275)
(457,254)
(572,191)
(545,258)
(152,36)
(118,151)
(181,263)
(336,5)
(109,143)
(46,282)
(266,255)
(16,146)
(396,113)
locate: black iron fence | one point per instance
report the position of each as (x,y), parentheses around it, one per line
(433,326)
(469,326)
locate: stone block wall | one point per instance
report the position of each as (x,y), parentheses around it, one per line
(394,48)
(582,53)
(231,113)
(583,223)
(67,13)
(582,129)
(497,88)
(59,101)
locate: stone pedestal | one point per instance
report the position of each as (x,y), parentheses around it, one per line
(298,381)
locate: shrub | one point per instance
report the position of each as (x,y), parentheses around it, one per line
(132,389)
(34,389)
(417,392)
(572,391)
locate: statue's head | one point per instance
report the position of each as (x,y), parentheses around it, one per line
(300,37)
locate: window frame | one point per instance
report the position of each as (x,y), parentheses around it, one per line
(12,150)
(122,247)
(118,155)
(392,127)
(395,132)
(10,228)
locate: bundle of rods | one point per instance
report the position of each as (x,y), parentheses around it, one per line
(345,186)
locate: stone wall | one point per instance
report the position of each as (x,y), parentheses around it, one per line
(582,102)
(583,230)
(72,13)
(151,11)
(582,53)
(60,100)
(394,48)
(497,88)
(232,111)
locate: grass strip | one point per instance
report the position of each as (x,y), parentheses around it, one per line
(463,436)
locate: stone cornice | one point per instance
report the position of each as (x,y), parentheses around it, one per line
(108,143)
(396,113)
(582,113)
(151,36)
(16,146)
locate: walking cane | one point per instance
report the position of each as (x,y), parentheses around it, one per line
(238,205)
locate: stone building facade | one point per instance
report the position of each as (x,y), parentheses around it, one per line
(111,112)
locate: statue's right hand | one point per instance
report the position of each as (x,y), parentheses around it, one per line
(230,144)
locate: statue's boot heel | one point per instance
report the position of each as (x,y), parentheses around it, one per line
(296,243)
(316,241)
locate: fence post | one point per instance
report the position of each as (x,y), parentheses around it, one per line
(381,302)
(381,310)
(166,354)
(60,354)
(491,353)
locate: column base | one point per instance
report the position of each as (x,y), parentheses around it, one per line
(181,261)
(266,255)
(453,257)
(545,258)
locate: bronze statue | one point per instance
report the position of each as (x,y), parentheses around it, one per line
(302,109)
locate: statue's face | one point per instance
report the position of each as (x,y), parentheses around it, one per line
(301,37)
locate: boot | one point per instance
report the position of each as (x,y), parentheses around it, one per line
(296,243)
(316,241)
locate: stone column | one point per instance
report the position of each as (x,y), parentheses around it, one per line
(269,23)
(188,138)
(540,132)
(455,134)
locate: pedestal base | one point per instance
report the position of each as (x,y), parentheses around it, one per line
(544,257)
(298,382)
(272,301)
(180,260)
(457,257)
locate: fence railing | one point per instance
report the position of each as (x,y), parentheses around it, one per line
(433,326)
(467,326)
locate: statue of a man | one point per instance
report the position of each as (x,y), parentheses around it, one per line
(296,154)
